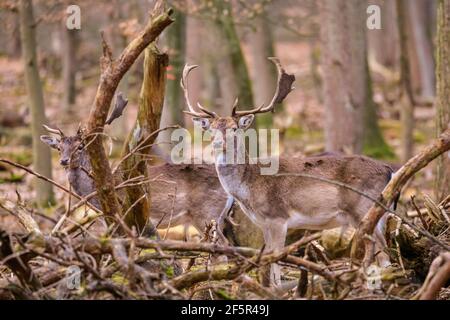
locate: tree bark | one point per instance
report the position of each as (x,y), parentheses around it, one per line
(345,74)
(41,153)
(442,183)
(151,101)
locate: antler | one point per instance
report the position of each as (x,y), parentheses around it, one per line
(57,131)
(184,85)
(284,86)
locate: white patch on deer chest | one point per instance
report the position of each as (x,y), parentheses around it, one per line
(234,187)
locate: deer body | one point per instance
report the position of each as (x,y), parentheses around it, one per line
(295,199)
(177,191)
(307,193)
(188,184)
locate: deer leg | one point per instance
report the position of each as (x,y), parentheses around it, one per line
(186,232)
(221,221)
(274,233)
(382,257)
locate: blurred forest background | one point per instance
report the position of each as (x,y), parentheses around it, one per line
(383,92)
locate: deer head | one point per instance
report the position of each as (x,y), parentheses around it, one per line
(224,128)
(71,148)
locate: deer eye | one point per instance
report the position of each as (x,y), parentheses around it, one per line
(81,146)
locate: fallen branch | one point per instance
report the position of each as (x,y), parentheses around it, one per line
(362,242)
(437,277)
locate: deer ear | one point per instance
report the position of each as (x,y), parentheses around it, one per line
(52,142)
(202,122)
(246,121)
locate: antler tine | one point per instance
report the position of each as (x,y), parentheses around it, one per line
(55,131)
(284,86)
(210,113)
(184,85)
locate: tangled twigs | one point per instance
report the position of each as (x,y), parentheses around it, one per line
(361,244)
(17,263)
(82,252)
(437,277)
(229,273)
(40,176)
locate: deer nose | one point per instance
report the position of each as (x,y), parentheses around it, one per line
(64,162)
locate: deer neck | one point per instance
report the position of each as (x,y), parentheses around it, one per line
(80,179)
(232,175)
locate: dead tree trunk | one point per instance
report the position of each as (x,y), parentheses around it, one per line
(41,154)
(151,101)
(112,73)
(345,74)
(442,184)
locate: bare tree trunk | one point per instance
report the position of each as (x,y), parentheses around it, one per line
(345,74)
(264,73)
(407,107)
(384,43)
(233,63)
(173,110)
(422,45)
(442,185)
(69,61)
(41,153)
(374,144)
(14,36)
(151,101)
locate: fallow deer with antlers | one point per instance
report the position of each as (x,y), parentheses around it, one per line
(300,195)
